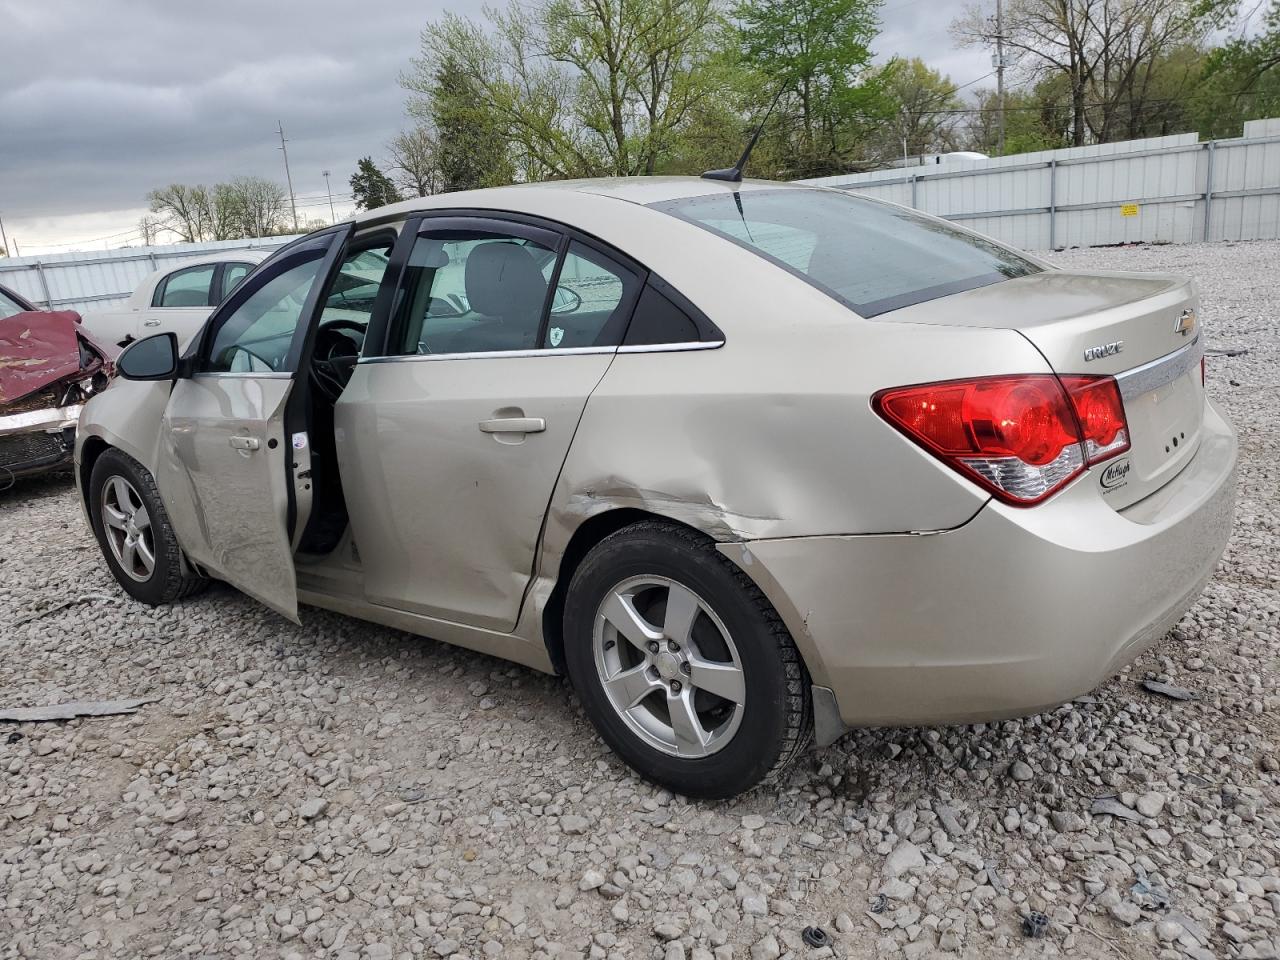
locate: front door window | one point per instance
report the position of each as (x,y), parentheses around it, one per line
(256,337)
(475,291)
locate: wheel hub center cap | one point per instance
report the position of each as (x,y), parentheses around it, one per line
(668,665)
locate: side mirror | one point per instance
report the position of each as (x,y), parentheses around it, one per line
(151,358)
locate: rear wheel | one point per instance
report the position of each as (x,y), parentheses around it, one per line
(682,664)
(134,532)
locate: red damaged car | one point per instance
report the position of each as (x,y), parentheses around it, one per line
(49,366)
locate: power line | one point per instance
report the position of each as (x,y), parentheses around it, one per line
(1155,101)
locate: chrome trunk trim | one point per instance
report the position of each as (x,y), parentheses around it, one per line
(1161,371)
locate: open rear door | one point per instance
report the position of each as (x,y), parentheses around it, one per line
(225,467)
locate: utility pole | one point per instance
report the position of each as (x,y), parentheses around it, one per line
(999,78)
(288,178)
(4,243)
(333,217)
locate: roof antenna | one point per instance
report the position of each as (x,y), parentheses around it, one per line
(734,174)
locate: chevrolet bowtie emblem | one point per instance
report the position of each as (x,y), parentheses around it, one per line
(1186,324)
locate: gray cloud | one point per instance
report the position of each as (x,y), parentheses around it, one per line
(105,100)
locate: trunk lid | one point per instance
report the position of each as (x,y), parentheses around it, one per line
(1140,328)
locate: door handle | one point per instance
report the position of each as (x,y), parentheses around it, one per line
(513,425)
(244,443)
(151,323)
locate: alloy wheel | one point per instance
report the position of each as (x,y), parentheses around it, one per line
(668,666)
(127,526)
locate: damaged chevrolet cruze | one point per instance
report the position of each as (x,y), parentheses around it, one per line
(751,463)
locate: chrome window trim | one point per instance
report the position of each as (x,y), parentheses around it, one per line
(550,352)
(1161,371)
(672,347)
(243,374)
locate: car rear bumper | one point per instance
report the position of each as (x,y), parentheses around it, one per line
(1015,611)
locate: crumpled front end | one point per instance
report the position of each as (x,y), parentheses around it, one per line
(49,366)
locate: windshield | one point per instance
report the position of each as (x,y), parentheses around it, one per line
(871,256)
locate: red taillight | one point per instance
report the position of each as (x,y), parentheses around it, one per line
(1021,437)
(1101,414)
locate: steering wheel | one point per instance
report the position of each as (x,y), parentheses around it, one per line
(333,356)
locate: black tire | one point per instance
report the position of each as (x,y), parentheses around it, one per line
(776,723)
(172,578)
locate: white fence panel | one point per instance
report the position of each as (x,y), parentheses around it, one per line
(97,279)
(1153,190)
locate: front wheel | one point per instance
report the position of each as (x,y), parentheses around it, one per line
(683,666)
(134,532)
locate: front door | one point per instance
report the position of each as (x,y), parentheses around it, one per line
(451,442)
(225,466)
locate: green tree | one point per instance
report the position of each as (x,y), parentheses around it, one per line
(1034,119)
(819,51)
(570,87)
(472,148)
(371,187)
(1240,80)
(922,103)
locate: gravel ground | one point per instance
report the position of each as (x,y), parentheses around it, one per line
(341,790)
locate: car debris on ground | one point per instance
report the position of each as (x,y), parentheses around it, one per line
(73,709)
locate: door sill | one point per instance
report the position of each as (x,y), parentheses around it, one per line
(507,646)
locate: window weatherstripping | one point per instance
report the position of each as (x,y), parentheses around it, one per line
(250,374)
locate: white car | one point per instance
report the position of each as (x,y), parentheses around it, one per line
(176,299)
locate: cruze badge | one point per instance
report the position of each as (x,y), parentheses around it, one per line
(1104,350)
(1186,324)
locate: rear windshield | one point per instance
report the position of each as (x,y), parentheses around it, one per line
(871,256)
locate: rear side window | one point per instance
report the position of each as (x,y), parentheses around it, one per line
(871,256)
(186,288)
(658,320)
(592,300)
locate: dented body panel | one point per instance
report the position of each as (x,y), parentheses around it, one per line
(41,349)
(49,365)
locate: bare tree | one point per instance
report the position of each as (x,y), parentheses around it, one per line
(261,206)
(415,162)
(222,213)
(181,209)
(149,227)
(1106,50)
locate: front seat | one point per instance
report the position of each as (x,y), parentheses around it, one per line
(504,283)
